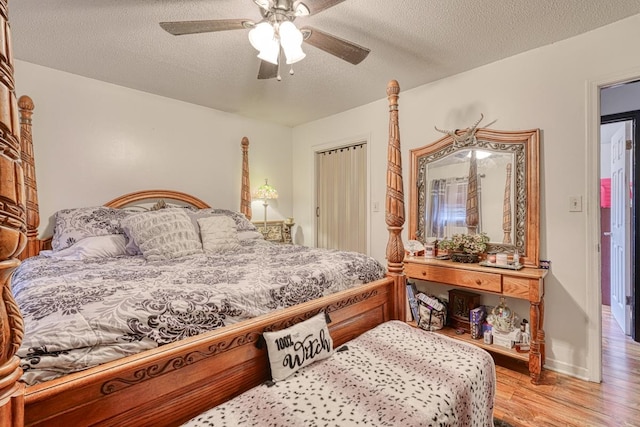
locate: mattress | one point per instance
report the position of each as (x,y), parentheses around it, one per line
(79,314)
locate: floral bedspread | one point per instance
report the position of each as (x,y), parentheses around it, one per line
(78,314)
(392,375)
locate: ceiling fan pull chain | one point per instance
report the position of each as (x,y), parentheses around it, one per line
(291,70)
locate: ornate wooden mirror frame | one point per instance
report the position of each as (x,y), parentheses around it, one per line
(523,212)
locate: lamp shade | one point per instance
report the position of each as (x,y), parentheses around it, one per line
(266,191)
(261,35)
(270,52)
(291,42)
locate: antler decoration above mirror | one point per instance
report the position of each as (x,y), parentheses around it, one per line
(464,138)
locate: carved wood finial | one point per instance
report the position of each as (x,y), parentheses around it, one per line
(394,203)
(245,191)
(26,103)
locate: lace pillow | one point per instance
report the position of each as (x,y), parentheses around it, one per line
(300,345)
(218,234)
(73,225)
(242,223)
(163,234)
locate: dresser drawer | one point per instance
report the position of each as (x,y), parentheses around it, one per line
(452,276)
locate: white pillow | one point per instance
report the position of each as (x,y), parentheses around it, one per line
(298,346)
(91,247)
(218,234)
(163,234)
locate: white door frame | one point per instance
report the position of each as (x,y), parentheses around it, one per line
(592,262)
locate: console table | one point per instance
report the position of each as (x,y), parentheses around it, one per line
(526,283)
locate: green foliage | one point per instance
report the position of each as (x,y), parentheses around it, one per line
(468,243)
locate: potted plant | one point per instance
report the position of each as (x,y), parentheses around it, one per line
(465,247)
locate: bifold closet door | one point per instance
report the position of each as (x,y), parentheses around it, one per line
(341,187)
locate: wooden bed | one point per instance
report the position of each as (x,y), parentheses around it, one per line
(170,384)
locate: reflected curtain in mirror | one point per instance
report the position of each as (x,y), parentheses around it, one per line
(447,212)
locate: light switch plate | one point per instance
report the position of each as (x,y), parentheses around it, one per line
(575,203)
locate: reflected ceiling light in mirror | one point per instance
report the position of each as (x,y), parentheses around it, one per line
(481,154)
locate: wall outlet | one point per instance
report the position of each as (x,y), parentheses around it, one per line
(575,203)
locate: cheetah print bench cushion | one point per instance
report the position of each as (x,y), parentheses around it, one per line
(392,375)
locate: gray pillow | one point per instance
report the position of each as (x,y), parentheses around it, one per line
(163,234)
(73,225)
(242,223)
(218,234)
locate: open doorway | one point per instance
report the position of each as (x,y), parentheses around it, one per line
(620,132)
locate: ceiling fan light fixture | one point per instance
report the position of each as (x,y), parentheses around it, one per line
(270,52)
(294,54)
(291,42)
(261,35)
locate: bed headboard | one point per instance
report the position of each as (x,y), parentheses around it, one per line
(34,245)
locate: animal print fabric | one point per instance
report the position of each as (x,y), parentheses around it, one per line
(78,314)
(392,375)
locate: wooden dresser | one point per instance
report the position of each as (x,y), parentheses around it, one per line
(526,284)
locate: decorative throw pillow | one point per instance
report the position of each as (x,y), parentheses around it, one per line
(218,234)
(73,225)
(91,247)
(163,234)
(300,345)
(242,223)
(131,248)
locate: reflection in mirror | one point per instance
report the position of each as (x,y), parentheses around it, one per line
(454,206)
(487,184)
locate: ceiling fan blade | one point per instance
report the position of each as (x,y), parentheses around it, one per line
(343,49)
(195,27)
(317,6)
(267,70)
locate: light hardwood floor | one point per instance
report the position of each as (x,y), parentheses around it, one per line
(565,401)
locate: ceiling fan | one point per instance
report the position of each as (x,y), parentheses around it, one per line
(275,36)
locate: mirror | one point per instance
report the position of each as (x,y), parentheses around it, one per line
(486,182)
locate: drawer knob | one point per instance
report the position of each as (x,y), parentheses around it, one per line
(424,273)
(478,282)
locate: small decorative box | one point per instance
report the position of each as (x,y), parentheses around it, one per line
(460,305)
(476,318)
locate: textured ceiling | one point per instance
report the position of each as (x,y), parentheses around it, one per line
(413,41)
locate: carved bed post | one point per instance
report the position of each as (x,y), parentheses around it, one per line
(12,233)
(506,209)
(472,196)
(245,191)
(394,203)
(30,185)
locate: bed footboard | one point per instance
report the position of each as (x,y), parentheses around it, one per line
(173,383)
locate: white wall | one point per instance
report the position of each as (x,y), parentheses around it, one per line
(546,88)
(94,141)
